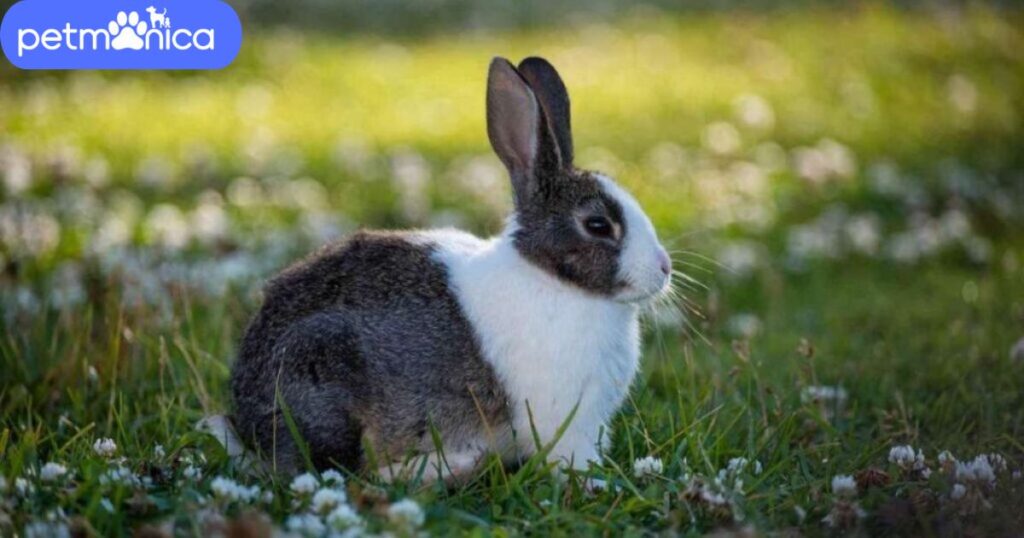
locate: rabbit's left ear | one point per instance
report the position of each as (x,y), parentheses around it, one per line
(550,91)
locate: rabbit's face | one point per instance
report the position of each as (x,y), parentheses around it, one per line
(590,232)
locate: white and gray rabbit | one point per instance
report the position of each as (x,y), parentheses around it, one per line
(377,343)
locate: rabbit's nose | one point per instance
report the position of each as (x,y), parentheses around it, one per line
(664,263)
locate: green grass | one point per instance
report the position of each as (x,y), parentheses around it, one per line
(934,374)
(921,349)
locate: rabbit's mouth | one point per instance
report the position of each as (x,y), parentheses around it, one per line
(633,293)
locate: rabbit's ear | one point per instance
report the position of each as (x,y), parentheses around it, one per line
(518,131)
(554,99)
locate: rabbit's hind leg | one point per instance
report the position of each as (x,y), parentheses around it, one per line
(319,380)
(451,468)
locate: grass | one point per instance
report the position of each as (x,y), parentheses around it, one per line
(132,338)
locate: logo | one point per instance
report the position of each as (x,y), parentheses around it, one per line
(120,34)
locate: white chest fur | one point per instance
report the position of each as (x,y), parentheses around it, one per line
(552,346)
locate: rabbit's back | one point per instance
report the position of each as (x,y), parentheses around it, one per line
(364,339)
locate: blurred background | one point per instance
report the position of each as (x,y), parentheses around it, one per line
(773,143)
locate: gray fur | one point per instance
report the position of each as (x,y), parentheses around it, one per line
(364,340)
(550,234)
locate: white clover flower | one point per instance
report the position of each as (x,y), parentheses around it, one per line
(343,517)
(333,477)
(94,376)
(903,248)
(107,505)
(997,461)
(711,497)
(23,487)
(840,159)
(740,259)
(229,490)
(714,498)
(167,226)
(827,161)
(245,192)
(811,164)
(159,452)
(864,233)
(223,487)
(957,492)
(906,458)
(721,138)
(105,447)
(192,472)
(736,465)
(823,393)
(326,499)
(248,494)
(304,484)
(306,525)
(978,470)
(209,222)
(52,471)
(730,476)
(754,111)
(844,486)
(745,325)
(946,458)
(120,475)
(16,169)
(57,514)
(647,467)
(267,497)
(406,513)
(47,529)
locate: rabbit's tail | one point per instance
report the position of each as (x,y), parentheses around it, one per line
(220,427)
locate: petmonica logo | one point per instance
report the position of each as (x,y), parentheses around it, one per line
(121,34)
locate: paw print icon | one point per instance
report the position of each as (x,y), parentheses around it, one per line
(126,31)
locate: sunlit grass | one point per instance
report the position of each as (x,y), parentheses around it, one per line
(851,75)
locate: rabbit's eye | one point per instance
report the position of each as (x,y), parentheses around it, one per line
(598,226)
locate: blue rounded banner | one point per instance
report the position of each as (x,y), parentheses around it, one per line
(121,34)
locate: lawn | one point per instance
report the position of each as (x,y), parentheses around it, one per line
(843,186)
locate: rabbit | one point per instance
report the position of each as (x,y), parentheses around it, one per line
(375,347)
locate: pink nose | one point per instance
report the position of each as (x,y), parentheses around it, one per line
(664,262)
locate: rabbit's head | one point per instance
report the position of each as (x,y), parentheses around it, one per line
(576,224)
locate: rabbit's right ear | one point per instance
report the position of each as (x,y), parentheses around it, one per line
(516,127)
(547,85)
